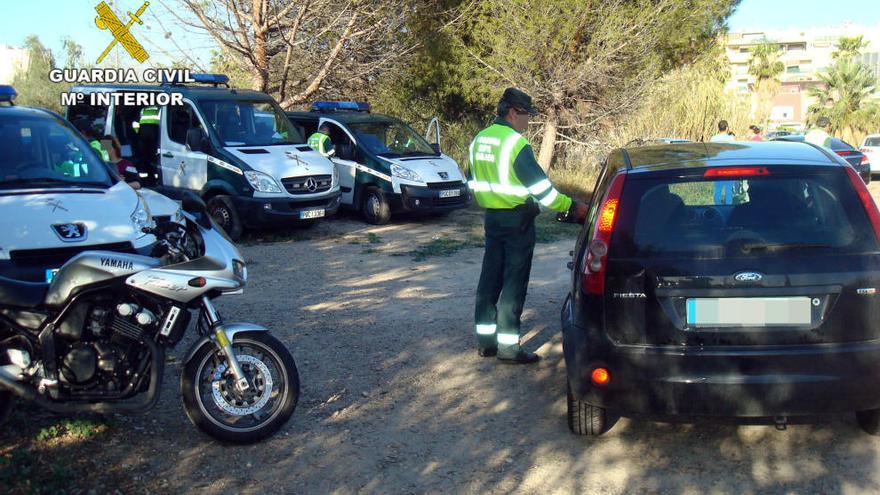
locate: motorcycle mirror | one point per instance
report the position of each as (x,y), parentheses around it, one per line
(193,204)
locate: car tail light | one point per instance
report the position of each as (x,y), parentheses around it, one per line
(600,376)
(867,200)
(736,171)
(593,276)
(844,152)
(864,160)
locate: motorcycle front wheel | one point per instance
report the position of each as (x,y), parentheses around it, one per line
(213,402)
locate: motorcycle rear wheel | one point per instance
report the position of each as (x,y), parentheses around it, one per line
(213,403)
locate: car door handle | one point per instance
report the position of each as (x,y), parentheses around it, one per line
(168,154)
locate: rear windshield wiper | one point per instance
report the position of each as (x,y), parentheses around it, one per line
(763,246)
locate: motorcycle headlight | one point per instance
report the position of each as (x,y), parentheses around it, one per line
(262,182)
(405,173)
(140,218)
(239,269)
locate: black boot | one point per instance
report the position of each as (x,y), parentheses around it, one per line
(521,357)
(488,352)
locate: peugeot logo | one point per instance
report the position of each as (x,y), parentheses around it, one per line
(748,277)
(311,184)
(70,232)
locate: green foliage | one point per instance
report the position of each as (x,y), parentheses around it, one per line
(24,472)
(32,84)
(844,98)
(765,64)
(849,47)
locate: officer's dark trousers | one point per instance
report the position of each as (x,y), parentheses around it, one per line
(503,281)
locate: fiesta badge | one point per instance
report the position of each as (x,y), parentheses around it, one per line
(748,277)
(70,232)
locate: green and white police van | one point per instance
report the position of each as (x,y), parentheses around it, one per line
(384,165)
(233,147)
(58,197)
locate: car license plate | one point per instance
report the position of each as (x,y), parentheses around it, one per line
(50,274)
(748,311)
(450,193)
(311,214)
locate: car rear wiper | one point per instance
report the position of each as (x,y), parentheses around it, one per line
(763,246)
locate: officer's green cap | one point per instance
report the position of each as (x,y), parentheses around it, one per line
(518,99)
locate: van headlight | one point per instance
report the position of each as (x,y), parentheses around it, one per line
(335,178)
(140,218)
(405,173)
(262,182)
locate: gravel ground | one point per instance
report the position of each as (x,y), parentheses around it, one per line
(396,400)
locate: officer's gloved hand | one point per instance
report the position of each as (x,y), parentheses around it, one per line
(577,213)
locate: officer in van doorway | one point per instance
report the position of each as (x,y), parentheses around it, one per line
(507,181)
(85,128)
(320,141)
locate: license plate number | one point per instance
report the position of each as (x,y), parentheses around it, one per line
(749,311)
(50,274)
(450,193)
(311,214)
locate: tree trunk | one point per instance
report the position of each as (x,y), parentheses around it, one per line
(260,73)
(548,141)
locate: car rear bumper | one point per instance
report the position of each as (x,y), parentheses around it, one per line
(745,381)
(428,198)
(271,211)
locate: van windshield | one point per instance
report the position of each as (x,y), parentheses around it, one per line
(806,211)
(41,151)
(249,123)
(391,139)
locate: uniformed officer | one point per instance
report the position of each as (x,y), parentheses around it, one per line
(320,141)
(85,128)
(506,180)
(819,134)
(149,116)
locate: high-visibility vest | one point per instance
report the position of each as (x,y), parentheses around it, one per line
(100,149)
(493,180)
(318,142)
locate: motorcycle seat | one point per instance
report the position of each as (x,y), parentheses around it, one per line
(22,294)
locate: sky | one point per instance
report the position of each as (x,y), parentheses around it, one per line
(53,19)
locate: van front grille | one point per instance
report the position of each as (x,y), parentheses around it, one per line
(307,185)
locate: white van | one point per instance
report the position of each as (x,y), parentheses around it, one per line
(233,147)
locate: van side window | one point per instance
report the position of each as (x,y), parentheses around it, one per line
(339,137)
(181,119)
(96,115)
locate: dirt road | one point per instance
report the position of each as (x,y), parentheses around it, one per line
(396,400)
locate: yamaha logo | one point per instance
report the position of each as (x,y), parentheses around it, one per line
(748,277)
(70,232)
(311,184)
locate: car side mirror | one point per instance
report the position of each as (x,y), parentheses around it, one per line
(193,204)
(436,148)
(196,139)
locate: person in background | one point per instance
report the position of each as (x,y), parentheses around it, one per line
(819,134)
(756,133)
(723,188)
(127,170)
(85,128)
(320,141)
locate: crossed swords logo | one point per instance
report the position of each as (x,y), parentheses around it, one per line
(107,19)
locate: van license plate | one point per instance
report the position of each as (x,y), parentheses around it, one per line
(50,274)
(450,193)
(311,214)
(748,311)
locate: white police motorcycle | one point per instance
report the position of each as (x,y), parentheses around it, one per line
(94,339)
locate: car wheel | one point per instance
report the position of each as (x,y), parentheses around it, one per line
(869,421)
(375,206)
(584,418)
(226,216)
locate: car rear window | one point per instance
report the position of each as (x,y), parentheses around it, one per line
(872,141)
(807,210)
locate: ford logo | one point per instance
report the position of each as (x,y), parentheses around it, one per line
(748,277)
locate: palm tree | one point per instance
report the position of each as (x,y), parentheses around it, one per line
(844,98)
(765,64)
(848,48)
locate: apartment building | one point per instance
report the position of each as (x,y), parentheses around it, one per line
(805,53)
(11,59)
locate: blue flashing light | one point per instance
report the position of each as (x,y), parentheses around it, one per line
(331,106)
(7,93)
(214,79)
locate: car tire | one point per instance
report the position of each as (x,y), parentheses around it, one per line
(585,419)
(224,213)
(869,421)
(376,208)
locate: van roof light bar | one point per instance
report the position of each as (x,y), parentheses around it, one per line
(200,78)
(7,93)
(333,106)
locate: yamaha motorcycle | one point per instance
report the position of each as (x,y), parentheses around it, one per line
(94,339)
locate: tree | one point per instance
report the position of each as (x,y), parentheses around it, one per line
(848,48)
(74,52)
(32,81)
(586,63)
(294,49)
(843,98)
(765,66)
